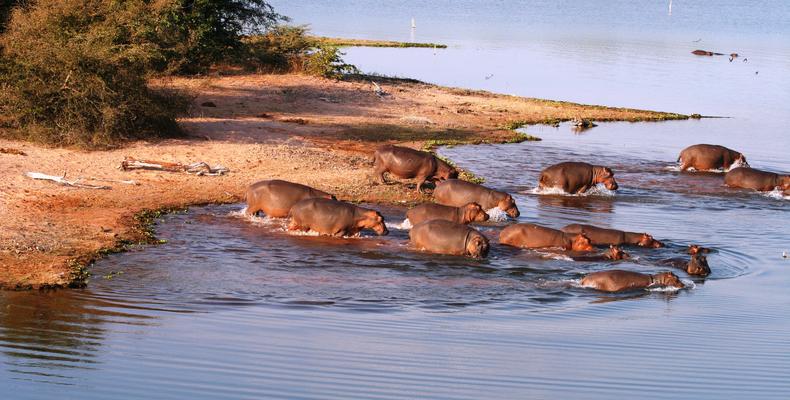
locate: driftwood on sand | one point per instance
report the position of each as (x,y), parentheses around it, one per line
(198,168)
(62,180)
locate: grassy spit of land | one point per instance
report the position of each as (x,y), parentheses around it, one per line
(344,42)
(306,129)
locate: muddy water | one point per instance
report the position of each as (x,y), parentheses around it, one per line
(233,308)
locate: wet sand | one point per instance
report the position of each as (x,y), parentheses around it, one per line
(310,130)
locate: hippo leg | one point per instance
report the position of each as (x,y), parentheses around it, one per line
(420,181)
(294,226)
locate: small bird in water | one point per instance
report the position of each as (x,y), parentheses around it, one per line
(784,254)
(756,72)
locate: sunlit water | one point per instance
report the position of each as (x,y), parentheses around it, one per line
(236,308)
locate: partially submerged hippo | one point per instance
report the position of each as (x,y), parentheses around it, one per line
(619,281)
(704,157)
(275,197)
(531,236)
(706,53)
(603,236)
(697,265)
(457,193)
(406,163)
(576,177)
(336,218)
(763,181)
(613,253)
(470,212)
(445,237)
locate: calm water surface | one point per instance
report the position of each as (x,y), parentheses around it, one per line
(233,308)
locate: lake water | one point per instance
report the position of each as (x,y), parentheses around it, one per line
(236,308)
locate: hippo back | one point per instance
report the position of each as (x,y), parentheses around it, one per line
(598,236)
(751,179)
(276,197)
(457,193)
(533,236)
(324,215)
(430,211)
(440,236)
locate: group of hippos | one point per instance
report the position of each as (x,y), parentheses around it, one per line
(443,227)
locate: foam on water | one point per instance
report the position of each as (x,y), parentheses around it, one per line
(736,164)
(554,256)
(403,226)
(496,215)
(688,284)
(777,194)
(597,190)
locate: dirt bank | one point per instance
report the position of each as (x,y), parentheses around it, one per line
(310,130)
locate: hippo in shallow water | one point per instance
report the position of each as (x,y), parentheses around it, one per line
(763,181)
(445,237)
(336,218)
(613,253)
(576,177)
(706,53)
(470,212)
(275,197)
(531,236)
(603,236)
(704,157)
(619,281)
(455,192)
(406,163)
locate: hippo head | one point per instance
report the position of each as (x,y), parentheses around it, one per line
(444,171)
(784,182)
(476,245)
(374,221)
(474,212)
(647,241)
(698,265)
(667,279)
(606,176)
(581,242)
(696,249)
(616,253)
(508,205)
(742,161)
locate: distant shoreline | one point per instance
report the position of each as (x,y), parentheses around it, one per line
(345,42)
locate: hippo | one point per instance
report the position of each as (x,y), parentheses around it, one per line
(697,249)
(703,157)
(576,177)
(407,163)
(762,181)
(275,197)
(531,236)
(603,236)
(457,193)
(705,53)
(616,280)
(614,253)
(335,218)
(446,237)
(470,212)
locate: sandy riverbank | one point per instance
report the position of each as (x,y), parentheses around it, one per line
(305,129)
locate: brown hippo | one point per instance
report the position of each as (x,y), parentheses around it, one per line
(336,218)
(697,265)
(703,157)
(406,163)
(619,281)
(531,236)
(697,249)
(614,253)
(576,177)
(706,53)
(471,212)
(446,237)
(457,193)
(603,236)
(275,197)
(763,181)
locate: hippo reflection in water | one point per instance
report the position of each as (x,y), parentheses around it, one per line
(576,177)
(620,281)
(336,218)
(406,163)
(275,197)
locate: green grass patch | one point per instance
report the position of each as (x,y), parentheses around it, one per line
(343,42)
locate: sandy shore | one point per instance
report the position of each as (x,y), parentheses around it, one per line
(310,130)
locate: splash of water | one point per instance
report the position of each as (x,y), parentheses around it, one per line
(403,226)
(736,164)
(777,194)
(597,190)
(687,284)
(553,256)
(496,215)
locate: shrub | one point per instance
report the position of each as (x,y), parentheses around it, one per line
(281,49)
(74,72)
(327,61)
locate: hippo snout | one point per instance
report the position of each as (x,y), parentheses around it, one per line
(611,184)
(513,212)
(381,230)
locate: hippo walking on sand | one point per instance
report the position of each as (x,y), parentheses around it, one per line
(457,193)
(749,178)
(619,281)
(446,237)
(576,177)
(406,163)
(275,197)
(705,157)
(470,212)
(531,236)
(335,218)
(603,236)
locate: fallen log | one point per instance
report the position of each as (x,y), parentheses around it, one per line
(198,168)
(62,180)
